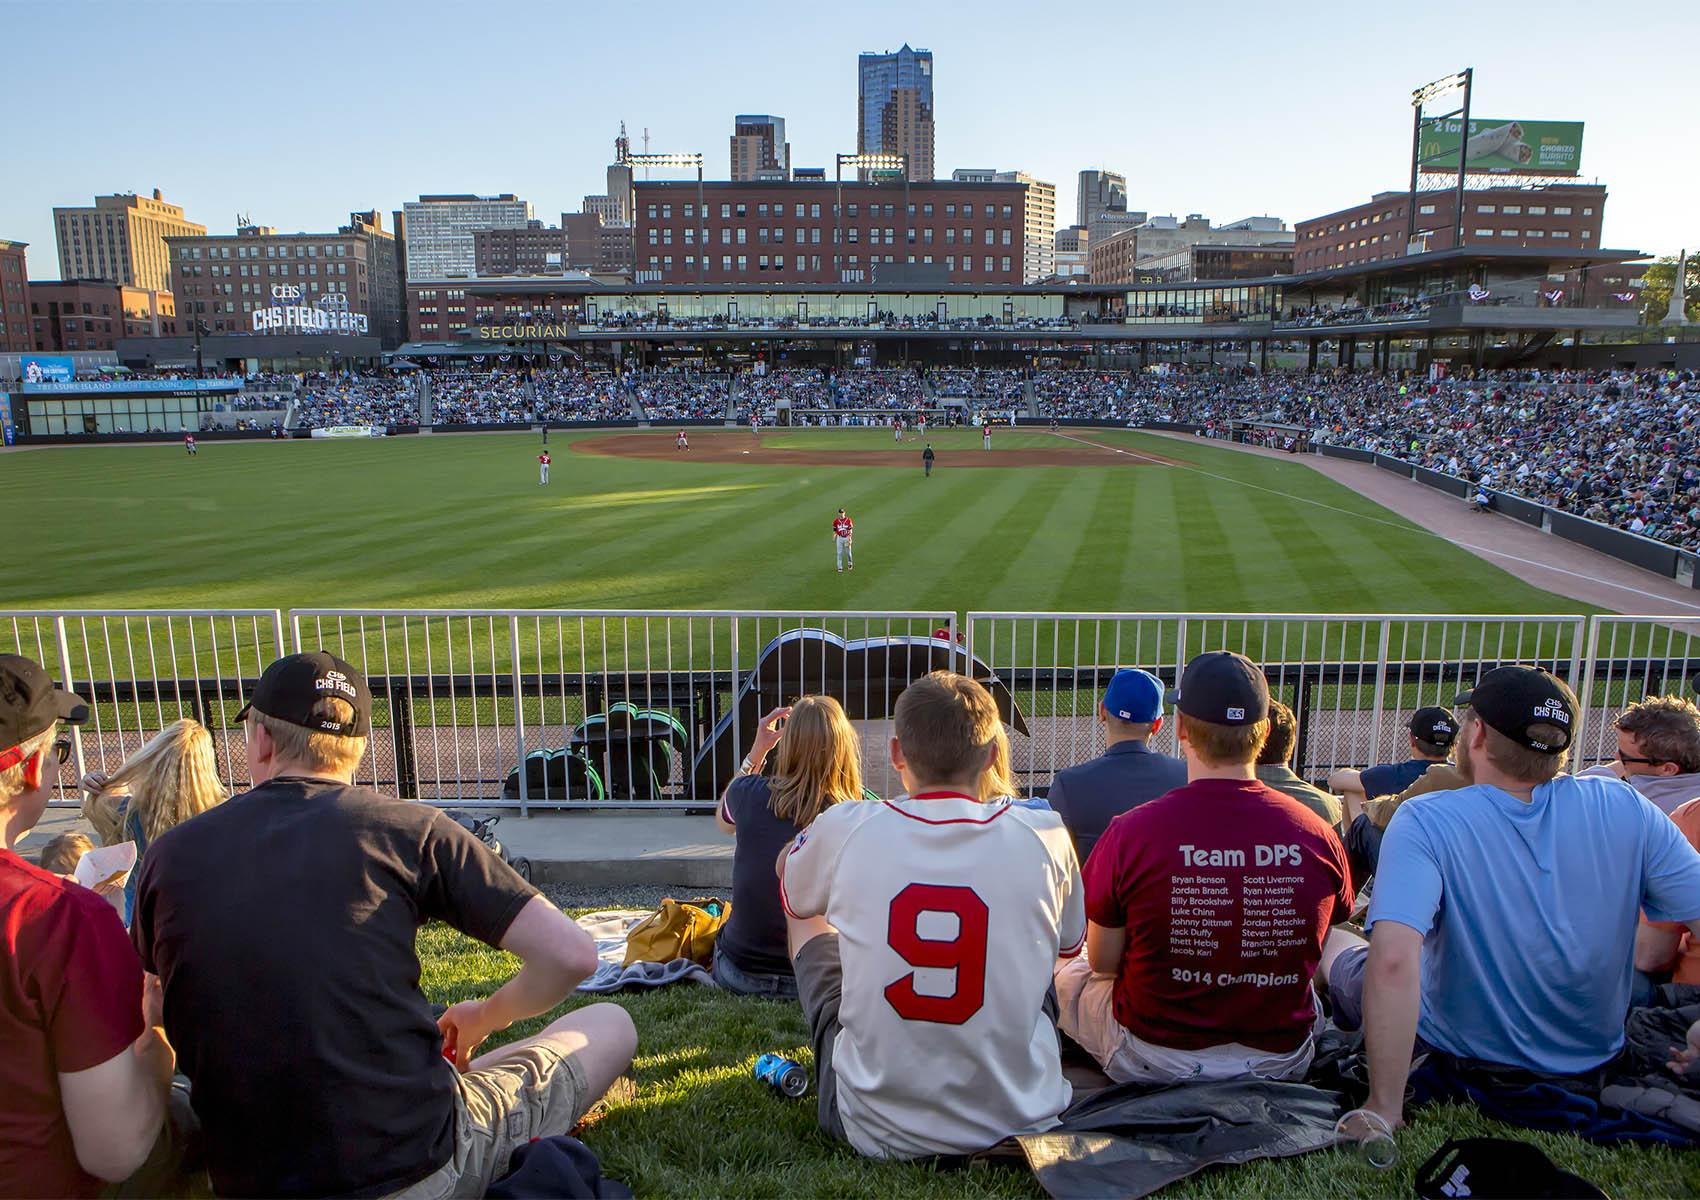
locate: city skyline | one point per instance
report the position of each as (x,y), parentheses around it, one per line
(301,151)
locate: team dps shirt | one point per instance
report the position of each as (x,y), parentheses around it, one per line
(1226,889)
(282,924)
(951,915)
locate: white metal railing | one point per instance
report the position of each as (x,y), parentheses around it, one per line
(550,708)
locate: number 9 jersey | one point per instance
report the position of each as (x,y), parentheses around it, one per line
(951,916)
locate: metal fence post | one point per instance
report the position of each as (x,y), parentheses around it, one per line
(401,732)
(1380,690)
(519,714)
(1582,670)
(77,763)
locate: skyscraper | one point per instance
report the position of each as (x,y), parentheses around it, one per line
(759,149)
(121,239)
(1100,192)
(894,110)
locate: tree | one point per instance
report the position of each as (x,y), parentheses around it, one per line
(1655,294)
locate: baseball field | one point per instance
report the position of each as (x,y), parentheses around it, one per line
(1096,521)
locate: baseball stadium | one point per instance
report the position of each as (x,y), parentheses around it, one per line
(1218,723)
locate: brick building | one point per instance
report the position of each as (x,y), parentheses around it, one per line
(533,250)
(596,244)
(1559,217)
(15,334)
(121,239)
(782,233)
(92,314)
(223,280)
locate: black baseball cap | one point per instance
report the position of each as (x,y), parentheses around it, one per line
(30,703)
(1434,725)
(1223,688)
(1510,699)
(291,686)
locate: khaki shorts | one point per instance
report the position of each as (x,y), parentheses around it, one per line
(537,1090)
(1086,1004)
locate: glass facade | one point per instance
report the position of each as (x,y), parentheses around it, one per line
(1202,305)
(123,414)
(779,306)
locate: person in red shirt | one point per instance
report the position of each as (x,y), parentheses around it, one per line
(84,1071)
(543,467)
(1207,908)
(842,528)
(189,442)
(682,442)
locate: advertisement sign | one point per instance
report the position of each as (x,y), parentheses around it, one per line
(349,431)
(328,314)
(133,387)
(39,369)
(7,434)
(1503,147)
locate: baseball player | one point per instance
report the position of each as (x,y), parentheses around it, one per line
(986,437)
(755,425)
(896,430)
(683,443)
(543,468)
(842,527)
(189,443)
(927,460)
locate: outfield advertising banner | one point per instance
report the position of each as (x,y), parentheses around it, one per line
(348,431)
(7,434)
(1503,147)
(39,369)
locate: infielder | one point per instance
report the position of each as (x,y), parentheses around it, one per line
(842,527)
(986,437)
(543,468)
(755,425)
(683,442)
(897,430)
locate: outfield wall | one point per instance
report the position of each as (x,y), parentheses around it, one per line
(654,708)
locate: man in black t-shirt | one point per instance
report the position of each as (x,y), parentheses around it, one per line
(927,459)
(282,925)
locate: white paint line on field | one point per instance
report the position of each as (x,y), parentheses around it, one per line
(1475,549)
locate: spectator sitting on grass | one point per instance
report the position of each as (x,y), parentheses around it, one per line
(170,779)
(1208,908)
(1658,751)
(819,766)
(1274,766)
(1432,730)
(283,923)
(84,1073)
(1544,993)
(923,933)
(1129,773)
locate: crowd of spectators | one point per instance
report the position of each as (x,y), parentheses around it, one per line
(680,395)
(323,399)
(990,383)
(479,397)
(1354,313)
(1082,395)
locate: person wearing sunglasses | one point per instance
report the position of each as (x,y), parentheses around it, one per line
(1658,751)
(86,1070)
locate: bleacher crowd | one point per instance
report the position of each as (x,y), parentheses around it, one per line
(248,997)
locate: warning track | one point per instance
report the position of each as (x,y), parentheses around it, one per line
(741,447)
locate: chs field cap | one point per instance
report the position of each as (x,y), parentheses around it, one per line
(1223,688)
(1434,725)
(1134,696)
(29,703)
(292,685)
(1510,699)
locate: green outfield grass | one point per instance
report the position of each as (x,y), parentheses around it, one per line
(450,521)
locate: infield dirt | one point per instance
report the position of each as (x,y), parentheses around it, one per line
(741,447)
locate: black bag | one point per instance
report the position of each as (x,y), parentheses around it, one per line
(480,828)
(1498,1167)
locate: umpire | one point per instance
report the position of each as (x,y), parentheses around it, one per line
(1089,796)
(927,459)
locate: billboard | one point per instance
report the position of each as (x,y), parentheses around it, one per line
(7,434)
(1503,147)
(40,369)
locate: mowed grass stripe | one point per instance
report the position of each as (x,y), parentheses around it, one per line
(969,552)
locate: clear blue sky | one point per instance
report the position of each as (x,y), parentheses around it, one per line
(299,111)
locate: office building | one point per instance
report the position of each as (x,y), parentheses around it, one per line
(894,109)
(92,314)
(225,279)
(1099,192)
(1120,257)
(1039,238)
(121,239)
(441,229)
(1071,254)
(15,335)
(759,149)
(783,233)
(534,250)
(1559,217)
(596,246)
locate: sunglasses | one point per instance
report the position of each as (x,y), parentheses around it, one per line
(61,749)
(1630,758)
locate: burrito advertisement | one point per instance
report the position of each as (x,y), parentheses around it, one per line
(1504,147)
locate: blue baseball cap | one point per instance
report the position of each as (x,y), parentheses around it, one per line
(1135,696)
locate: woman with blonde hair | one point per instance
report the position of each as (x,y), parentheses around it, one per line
(819,765)
(173,777)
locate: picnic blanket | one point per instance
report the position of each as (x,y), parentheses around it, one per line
(608,930)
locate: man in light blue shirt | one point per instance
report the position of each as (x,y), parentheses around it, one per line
(1504,914)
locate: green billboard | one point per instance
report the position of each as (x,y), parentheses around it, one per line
(1503,147)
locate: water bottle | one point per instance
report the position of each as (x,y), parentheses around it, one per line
(1373,1137)
(783,1075)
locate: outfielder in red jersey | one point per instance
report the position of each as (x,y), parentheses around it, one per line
(683,442)
(543,468)
(841,533)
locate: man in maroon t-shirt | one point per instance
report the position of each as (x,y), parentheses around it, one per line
(83,1075)
(1207,908)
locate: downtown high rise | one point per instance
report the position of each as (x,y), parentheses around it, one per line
(894,107)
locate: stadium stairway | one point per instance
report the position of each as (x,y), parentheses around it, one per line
(1031,395)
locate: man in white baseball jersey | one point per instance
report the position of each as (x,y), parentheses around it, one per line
(543,467)
(926,1042)
(842,530)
